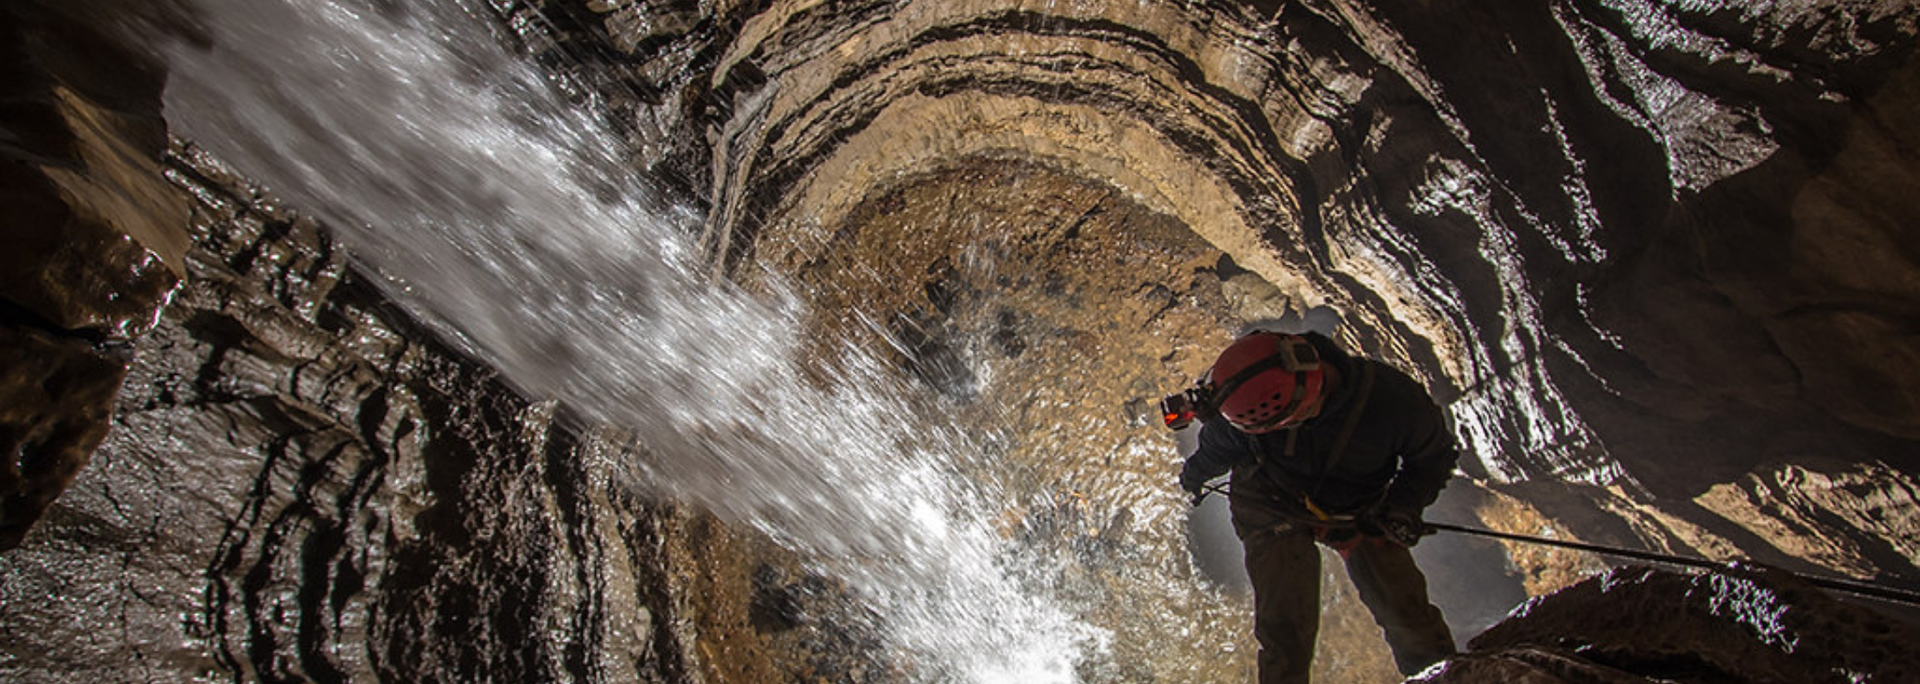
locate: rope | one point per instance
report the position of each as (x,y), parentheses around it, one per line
(1850,586)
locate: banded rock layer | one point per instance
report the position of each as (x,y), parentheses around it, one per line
(1653,257)
(1646,249)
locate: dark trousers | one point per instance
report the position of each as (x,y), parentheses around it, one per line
(1284,564)
(1285,568)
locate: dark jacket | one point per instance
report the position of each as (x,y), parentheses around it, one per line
(1400,453)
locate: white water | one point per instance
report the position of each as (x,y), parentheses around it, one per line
(512,221)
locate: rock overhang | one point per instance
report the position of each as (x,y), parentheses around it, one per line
(1555,217)
(1117,95)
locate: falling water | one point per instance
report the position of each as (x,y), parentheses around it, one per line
(512,221)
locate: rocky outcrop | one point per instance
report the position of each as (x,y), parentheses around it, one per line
(1740,624)
(300,484)
(91,246)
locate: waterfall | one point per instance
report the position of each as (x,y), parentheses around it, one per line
(514,223)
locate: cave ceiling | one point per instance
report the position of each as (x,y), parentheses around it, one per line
(1638,246)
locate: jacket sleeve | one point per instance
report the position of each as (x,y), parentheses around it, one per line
(1427,459)
(1221,448)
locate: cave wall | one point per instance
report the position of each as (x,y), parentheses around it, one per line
(301,484)
(1658,253)
(229,456)
(92,243)
(234,457)
(1633,624)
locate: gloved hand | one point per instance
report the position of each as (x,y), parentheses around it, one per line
(1194,481)
(1404,528)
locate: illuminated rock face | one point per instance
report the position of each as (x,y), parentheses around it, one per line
(1614,237)
(1662,251)
(1643,247)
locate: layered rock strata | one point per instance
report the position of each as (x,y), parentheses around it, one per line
(300,484)
(1641,248)
(1655,250)
(1609,235)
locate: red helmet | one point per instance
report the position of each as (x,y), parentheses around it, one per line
(1268,381)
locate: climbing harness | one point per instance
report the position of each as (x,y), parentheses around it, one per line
(1856,587)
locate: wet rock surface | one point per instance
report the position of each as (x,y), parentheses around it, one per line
(1740,624)
(89,251)
(1607,234)
(301,485)
(1610,236)
(1655,258)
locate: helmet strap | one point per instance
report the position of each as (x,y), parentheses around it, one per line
(1308,386)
